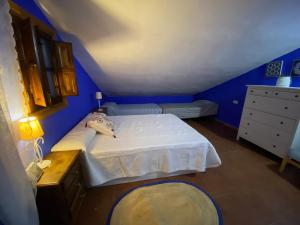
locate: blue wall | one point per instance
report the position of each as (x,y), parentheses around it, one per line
(149,99)
(235,89)
(57,124)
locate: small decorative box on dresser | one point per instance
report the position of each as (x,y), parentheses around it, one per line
(270,118)
(60,191)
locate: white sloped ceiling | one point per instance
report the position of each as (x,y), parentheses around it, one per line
(173,47)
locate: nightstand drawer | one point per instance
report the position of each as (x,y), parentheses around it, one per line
(77,201)
(71,176)
(70,193)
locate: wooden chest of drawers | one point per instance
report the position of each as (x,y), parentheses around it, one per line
(270,118)
(60,191)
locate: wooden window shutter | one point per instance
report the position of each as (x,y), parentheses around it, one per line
(31,63)
(66,69)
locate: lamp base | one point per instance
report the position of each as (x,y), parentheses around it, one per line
(44,164)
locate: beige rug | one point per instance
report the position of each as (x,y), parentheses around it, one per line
(170,203)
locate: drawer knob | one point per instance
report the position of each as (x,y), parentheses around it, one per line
(253,101)
(281,122)
(296,96)
(251,91)
(276,93)
(251,114)
(248,124)
(246,133)
(274,146)
(266,92)
(277,135)
(285,107)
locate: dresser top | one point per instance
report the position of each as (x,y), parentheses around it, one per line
(292,89)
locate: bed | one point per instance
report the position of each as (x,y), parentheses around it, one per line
(114,109)
(147,146)
(195,109)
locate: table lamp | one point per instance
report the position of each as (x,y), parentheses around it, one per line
(31,130)
(98,97)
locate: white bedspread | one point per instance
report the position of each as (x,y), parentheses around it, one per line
(147,144)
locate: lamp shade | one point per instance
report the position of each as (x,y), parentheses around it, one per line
(30,128)
(98,95)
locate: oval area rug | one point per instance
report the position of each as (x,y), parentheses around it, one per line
(165,203)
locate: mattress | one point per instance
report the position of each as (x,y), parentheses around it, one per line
(133,109)
(182,110)
(146,144)
(191,110)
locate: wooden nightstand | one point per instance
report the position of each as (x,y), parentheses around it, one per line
(60,190)
(101,110)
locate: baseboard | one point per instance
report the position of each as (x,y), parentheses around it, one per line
(226,124)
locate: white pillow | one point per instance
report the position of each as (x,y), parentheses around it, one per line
(102,116)
(78,138)
(102,126)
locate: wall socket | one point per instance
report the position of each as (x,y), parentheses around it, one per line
(236,102)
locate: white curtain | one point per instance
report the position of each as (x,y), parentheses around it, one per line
(17,200)
(11,85)
(17,203)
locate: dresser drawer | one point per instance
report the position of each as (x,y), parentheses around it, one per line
(288,95)
(275,106)
(292,96)
(267,132)
(262,92)
(264,141)
(279,122)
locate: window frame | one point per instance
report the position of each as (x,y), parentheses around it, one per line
(41,34)
(41,112)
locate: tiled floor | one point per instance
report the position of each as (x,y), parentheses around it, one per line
(247,186)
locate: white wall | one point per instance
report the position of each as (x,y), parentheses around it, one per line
(134,47)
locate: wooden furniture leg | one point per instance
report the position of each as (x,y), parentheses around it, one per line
(283,164)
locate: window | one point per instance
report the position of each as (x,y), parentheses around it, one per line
(47,65)
(45,50)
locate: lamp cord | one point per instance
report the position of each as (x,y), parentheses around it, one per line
(37,148)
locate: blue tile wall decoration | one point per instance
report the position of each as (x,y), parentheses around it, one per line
(274,69)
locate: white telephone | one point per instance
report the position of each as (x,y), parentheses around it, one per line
(34,172)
